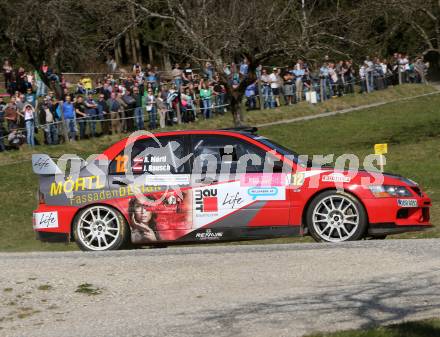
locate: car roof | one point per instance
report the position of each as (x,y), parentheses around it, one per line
(238,132)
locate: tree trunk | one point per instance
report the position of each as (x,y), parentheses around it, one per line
(236,110)
(128,48)
(134,52)
(136,44)
(118,53)
(150,54)
(166,61)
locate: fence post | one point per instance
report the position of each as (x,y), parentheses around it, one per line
(400,75)
(179,115)
(423,76)
(321,89)
(367,81)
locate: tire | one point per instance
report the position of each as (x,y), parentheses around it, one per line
(100,228)
(334,216)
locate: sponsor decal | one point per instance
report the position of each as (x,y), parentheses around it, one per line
(297,179)
(262,193)
(120,192)
(121,163)
(232,199)
(167,179)
(80,184)
(209,235)
(206,200)
(336,178)
(166,220)
(45,220)
(263,179)
(41,164)
(151,164)
(407,203)
(228,198)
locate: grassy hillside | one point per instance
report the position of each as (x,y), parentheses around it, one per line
(425,328)
(411,128)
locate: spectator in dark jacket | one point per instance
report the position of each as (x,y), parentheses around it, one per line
(139,111)
(103,114)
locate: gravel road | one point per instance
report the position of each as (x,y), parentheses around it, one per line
(248,290)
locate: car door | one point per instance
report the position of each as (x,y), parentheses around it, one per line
(231,187)
(152,176)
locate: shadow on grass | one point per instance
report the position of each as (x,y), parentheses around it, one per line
(415,329)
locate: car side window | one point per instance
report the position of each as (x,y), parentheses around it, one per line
(223,154)
(163,155)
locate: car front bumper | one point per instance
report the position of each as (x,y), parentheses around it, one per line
(387,216)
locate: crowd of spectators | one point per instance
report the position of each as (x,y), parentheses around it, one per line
(122,102)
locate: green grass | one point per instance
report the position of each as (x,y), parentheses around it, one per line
(88,289)
(412,129)
(425,328)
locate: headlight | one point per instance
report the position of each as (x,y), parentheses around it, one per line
(386,191)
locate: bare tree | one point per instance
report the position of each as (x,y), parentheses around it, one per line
(221,32)
(413,25)
(48,31)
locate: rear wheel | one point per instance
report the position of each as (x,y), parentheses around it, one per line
(335,217)
(100,228)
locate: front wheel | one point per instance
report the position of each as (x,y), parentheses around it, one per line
(335,217)
(100,228)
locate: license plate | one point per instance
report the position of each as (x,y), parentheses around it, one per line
(407,202)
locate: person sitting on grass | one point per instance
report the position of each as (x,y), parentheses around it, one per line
(16,139)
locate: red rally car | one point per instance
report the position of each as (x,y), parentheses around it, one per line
(216,185)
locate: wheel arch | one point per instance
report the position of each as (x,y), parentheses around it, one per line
(79,210)
(317,193)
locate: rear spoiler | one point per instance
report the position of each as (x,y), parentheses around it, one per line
(42,164)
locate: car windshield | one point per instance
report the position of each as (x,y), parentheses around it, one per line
(284,151)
